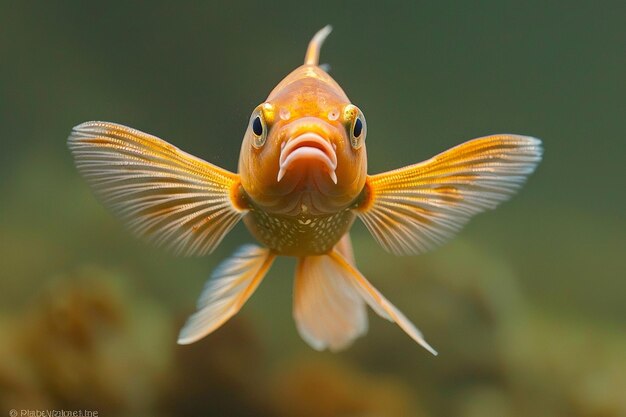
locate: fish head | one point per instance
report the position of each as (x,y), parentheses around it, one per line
(304,148)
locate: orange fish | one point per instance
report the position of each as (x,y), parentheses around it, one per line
(302,182)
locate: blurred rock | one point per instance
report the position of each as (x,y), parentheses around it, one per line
(569,369)
(20,387)
(86,343)
(315,387)
(221,374)
(481,401)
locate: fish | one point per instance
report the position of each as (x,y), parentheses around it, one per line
(301,183)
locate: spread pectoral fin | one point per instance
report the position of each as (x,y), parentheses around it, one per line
(162,193)
(412,209)
(229,287)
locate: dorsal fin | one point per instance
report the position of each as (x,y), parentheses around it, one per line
(312,56)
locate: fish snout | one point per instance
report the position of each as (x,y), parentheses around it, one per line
(308,147)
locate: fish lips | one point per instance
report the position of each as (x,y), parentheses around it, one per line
(308,147)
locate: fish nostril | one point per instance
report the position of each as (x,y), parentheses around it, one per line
(284,114)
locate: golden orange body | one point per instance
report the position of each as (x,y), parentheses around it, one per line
(304,213)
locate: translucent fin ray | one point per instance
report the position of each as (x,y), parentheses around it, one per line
(378,302)
(229,287)
(328,310)
(162,193)
(412,209)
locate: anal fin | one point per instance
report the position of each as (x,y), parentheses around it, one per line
(229,287)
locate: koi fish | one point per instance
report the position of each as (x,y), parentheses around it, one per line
(301,183)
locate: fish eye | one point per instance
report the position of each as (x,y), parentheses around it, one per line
(259,129)
(257,126)
(357,130)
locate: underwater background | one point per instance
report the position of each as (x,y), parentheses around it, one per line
(526,307)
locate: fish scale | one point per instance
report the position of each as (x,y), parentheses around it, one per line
(303,234)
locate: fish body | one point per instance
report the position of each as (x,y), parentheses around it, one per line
(301,183)
(307,211)
(302,206)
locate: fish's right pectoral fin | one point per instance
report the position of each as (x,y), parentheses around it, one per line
(162,193)
(376,300)
(229,287)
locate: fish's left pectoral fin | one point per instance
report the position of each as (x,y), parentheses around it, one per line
(229,287)
(377,301)
(162,193)
(412,209)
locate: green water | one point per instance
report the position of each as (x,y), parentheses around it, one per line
(526,306)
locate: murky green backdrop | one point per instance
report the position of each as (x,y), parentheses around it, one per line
(526,306)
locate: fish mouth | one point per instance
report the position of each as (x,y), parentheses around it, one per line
(308,146)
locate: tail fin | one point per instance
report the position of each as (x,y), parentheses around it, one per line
(328,310)
(375,299)
(329,301)
(312,56)
(229,287)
